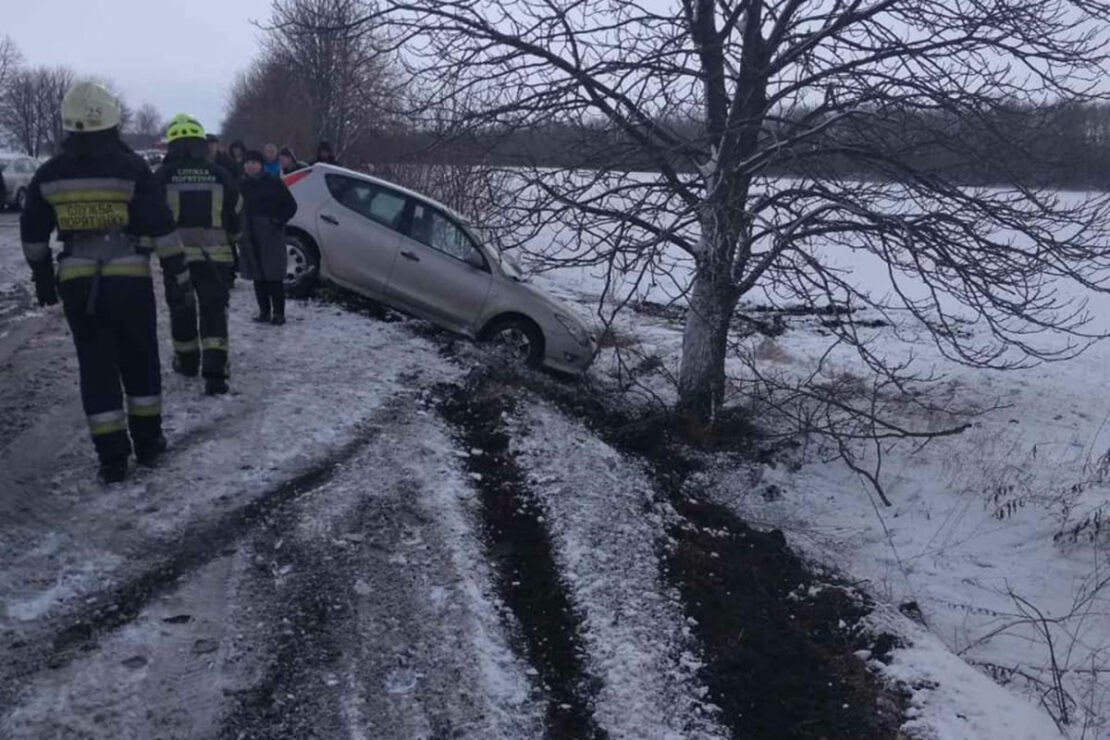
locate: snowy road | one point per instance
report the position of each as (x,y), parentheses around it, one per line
(295,567)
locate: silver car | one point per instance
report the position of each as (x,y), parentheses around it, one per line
(16,171)
(414,254)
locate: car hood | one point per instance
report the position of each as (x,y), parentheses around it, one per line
(550,302)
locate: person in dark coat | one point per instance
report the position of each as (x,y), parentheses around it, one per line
(324,154)
(216,155)
(289,161)
(237,151)
(268,206)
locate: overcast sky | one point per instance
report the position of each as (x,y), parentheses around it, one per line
(180,56)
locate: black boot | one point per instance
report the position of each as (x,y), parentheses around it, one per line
(149,451)
(187,365)
(113,470)
(215,386)
(262,295)
(278,319)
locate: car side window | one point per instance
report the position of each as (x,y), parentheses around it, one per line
(433,228)
(367,199)
(23,166)
(19,167)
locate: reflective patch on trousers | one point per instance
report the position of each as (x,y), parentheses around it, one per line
(144,405)
(107,422)
(214,343)
(184,348)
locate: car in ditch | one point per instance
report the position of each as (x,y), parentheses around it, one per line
(416,255)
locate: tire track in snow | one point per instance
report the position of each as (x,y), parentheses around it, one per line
(777,641)
(609,530)
(358,609)
(382,625)
(110,610)
(528,580)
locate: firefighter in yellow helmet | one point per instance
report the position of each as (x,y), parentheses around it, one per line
(204,199)
(109,213)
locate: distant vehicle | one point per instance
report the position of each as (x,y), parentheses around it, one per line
(410,252)
(153,157)
(16,171)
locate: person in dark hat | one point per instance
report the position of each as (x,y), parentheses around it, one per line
(237,152)
(218,156)
(289,161)
(268,206)
(324,154)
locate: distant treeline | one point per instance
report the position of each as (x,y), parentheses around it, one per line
(1062,146)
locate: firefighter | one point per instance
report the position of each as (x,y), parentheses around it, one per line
(109,212)
(204,198)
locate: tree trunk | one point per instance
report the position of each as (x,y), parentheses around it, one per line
(701,380)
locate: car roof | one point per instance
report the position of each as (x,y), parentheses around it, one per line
(335,169)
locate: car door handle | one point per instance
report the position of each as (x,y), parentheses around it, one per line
(410,256)
(330,219)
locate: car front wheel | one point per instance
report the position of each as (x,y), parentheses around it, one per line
(302,266)
(519,336)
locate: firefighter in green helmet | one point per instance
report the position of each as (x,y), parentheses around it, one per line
(204,198)
(109,213)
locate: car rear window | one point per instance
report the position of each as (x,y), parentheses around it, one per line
(365,198)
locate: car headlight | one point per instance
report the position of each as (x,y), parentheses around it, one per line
(575,330)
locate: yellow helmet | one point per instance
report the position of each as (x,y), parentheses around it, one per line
(88,106)
(184,126)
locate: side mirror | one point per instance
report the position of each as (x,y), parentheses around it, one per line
(474,258)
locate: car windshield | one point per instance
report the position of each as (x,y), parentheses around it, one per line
(483,236)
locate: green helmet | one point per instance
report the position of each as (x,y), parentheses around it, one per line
(184,126)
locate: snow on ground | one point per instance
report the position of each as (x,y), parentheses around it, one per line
(410,642)
(304,562)
(298,393)
(998,534)
(606,530)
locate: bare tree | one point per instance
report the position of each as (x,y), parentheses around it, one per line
(10,60)
(268,104)
(321,76)
(826,86)
(53,84)
(147,125)
(338,61)
(31,106)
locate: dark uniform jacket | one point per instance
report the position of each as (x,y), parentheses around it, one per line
(204,198)
(225,160)
(268,205)
(107,207)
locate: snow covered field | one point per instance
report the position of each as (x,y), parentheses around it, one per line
(997,537)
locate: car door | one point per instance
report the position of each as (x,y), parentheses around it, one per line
(7,175)
(15,177)
(440,272)
(358,232)
(23,169)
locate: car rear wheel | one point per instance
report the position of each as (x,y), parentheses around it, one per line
(302,266)
(521,338)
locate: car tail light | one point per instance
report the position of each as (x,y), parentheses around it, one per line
(294,177)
